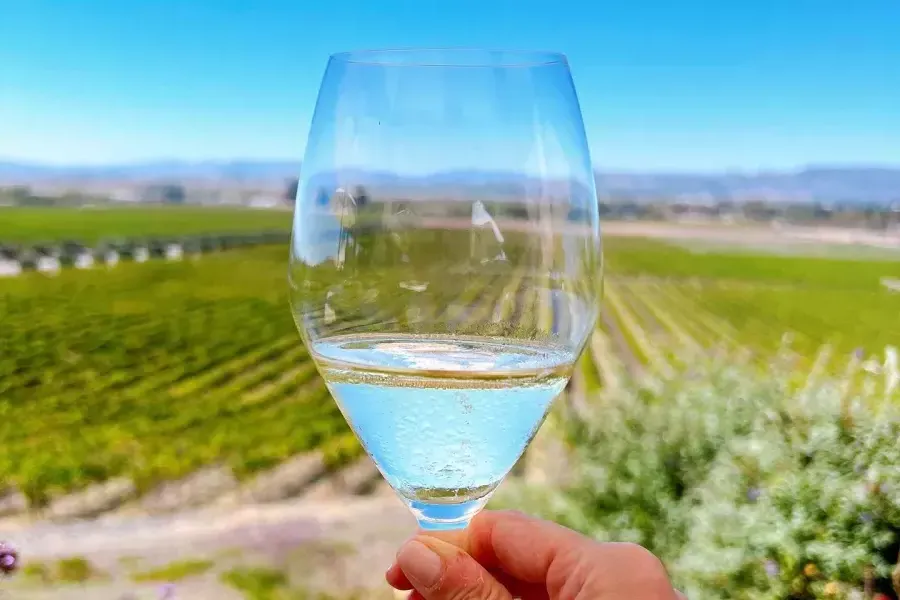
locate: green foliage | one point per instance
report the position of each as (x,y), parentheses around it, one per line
(75,569)
(153,370)
(174,571)
(848,318)
(257,583)
(757,297)
(37,572)
(260,583)
(91,224)
(747,487)
(634,256)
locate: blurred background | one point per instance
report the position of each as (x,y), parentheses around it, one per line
(165,435)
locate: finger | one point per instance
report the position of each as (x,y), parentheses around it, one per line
(520,589)
(524,547)
(508,542)
(527,591)
(540,552)
(397,579)
(439,570)
(457,537)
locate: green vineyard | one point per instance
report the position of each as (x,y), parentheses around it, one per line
(663,304)
(87,225)
(152,371)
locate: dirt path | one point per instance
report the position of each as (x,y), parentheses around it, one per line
(349,541)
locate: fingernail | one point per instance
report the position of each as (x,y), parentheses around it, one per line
(403,545)
(420,564)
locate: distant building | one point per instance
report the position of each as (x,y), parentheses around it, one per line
(140,254)
(48,264)
(9,263)
(174,251)
(108,255)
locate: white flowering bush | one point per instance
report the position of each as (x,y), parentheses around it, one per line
(748,484)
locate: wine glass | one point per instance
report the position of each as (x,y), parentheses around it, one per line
(445,260)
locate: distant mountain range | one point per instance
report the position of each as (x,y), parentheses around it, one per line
(824,184)
(18,172)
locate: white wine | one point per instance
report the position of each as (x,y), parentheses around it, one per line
(444,418)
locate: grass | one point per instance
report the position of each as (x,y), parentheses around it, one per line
(70,570)
(262,583)
(256,583)
(825,300)
(37,572)
(174,571)
(634,256)
(75,569)
(88,225)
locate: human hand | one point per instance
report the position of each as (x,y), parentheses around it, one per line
(504,555)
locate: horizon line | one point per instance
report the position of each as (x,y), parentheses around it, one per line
(624,170)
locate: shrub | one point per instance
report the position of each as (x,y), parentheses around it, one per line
(174,571)
(747,486)
(75,569)
(256,583)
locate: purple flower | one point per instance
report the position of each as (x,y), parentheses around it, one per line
(772,569)
(167,591)
(9,559)
(859,353)
(865,517)
(753,494)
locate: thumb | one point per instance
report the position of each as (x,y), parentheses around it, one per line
(441,571)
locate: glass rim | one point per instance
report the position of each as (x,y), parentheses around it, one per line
(451,57)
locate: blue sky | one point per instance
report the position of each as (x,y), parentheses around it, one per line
(664,84)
